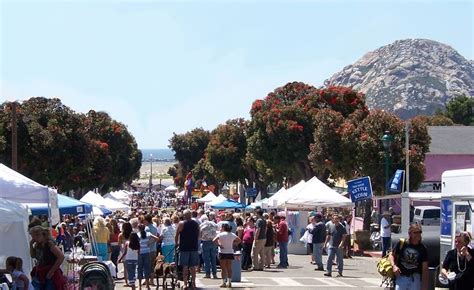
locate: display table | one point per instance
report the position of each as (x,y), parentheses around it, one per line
(87,259)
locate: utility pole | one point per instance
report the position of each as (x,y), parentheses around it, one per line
(14,137)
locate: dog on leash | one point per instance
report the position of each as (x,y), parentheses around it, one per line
(163,269)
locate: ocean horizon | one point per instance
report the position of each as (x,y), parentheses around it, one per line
(157,154)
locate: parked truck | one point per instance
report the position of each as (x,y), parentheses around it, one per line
(457,206)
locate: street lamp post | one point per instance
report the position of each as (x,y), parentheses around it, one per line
(151,172)
(387,141)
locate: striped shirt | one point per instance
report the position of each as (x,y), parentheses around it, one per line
(144,243)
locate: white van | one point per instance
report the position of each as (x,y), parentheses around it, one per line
(427,215)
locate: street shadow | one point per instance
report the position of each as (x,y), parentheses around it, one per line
(344,277)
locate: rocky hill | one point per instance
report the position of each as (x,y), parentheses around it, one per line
(409,77)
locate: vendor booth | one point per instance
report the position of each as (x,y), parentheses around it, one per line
(110,204)
(67,205)
(208,198)
(14,238)
(316,194)
(121,196)
(18,188)
(228,204)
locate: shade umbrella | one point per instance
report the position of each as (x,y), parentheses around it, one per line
(228,204)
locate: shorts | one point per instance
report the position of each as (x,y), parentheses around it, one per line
(188,259)
(223,256)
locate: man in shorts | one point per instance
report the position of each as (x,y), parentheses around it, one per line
(187,238)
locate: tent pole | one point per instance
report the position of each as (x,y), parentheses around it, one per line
(49,211)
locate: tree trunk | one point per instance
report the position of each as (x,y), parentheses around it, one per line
(263,191)
(309,173)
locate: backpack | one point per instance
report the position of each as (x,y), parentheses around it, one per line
(384,267)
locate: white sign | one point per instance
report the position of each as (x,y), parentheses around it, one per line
(460,220)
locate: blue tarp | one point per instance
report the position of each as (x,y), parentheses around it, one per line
(67,205)
(228,204)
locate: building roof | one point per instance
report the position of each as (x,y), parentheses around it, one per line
(451,139)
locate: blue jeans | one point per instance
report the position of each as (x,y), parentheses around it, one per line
(283,254)
(131,271)
(386,245)
(209,253)
(412,282)
(339,259)
(144,265)
(318,254)
(114,255)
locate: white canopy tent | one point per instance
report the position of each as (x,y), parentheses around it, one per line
(120,196)
(14,238)
(280,199)
(263,203)
(316,193)
(96,199)
(171,188)
(18,188)
(181,193)
(220,198)
(115,205)
(276,195)
(208,198)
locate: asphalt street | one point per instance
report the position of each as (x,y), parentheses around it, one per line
(359,272)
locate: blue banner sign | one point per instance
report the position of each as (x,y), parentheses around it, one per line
(446,216)
(396,184)
(360,189)
(251,192)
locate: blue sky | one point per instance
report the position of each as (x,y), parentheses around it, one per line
(162,67)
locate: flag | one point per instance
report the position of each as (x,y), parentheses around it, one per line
(397,181)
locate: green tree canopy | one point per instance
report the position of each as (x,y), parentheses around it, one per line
(188,150)
(461,110)
(58,147)
(227,150)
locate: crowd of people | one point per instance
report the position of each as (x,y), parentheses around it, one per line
(200,240)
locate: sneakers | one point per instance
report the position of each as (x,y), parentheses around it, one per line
(327,274)
(223,285)
(339,275)
(229,285)
(208,276)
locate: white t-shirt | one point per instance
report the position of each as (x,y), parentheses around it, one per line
(131,254)
(226,241)
(385,232)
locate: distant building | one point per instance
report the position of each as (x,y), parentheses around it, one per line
(452,147)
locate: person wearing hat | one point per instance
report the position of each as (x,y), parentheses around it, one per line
(385,233)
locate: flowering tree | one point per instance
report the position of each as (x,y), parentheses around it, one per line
(280,131)
(61,148)
(117,160)
(227,149)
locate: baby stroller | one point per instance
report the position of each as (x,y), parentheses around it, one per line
(95,275)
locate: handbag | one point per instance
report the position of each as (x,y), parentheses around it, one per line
(304,238)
